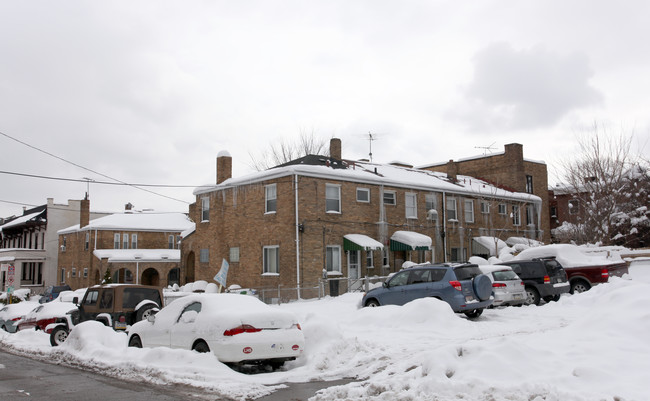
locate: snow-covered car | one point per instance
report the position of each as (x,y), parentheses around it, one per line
(45,315)
(12,313)
(52,292)
(235,328)
(462,286)
(507,287)
(543,278)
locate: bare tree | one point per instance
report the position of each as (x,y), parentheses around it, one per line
(286,150)
(598,179)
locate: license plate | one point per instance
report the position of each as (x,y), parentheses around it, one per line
(518,296)
(120,326)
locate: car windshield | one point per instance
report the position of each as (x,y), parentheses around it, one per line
(504,275)
(467,272)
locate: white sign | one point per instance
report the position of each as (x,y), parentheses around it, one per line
(223,273)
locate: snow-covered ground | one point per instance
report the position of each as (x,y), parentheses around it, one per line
(589,346)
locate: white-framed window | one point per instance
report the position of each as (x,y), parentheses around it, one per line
(134,241)
(502,208)
(63,275)
(516,215)
(410,203)
(469,211)
(389,198)
(204,255)
(333,259)
(74,272)
(271,259)
(234,254)
(530,215)
(485,207)
(370,262)
(116,241)
(451,209)
(574,206)
(270,198)
(205,209)
(529,184)
(177,244)
(363,195)
(430,202)
(332,198)
(87,241)
(125,241)
(170,242)
(85,272)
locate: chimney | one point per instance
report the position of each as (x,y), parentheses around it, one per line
(452,170)
(84,212)
(128,207)
(224,166)
(335,148)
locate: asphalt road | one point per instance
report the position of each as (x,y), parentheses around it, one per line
(29,379)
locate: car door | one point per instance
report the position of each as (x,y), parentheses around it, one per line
(183,331)
(395,291)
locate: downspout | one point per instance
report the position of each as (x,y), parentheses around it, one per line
(444,227)
(295,183)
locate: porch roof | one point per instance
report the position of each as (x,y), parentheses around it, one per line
(410,241)
(360,242)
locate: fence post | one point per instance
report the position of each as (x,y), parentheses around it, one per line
(366,284)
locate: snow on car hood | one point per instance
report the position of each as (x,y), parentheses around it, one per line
(568,256)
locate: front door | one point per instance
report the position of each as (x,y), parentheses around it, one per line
(354,268)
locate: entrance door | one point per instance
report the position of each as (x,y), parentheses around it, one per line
(354,268)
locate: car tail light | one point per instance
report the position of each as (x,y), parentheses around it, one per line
(16,318)
(297,326)
(604,273)
(498,285)
(456,285)
(547,279)
(244,328)
(522,284)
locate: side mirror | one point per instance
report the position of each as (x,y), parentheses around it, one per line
(75,300)
(151,318)
(384,284)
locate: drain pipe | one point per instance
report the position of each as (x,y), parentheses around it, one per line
(444,227)
(295,187)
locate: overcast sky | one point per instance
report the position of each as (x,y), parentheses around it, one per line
(150,92)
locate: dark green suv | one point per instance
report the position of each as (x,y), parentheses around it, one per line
(543,278)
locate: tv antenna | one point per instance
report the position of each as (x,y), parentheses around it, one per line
(370,139)
(486,149)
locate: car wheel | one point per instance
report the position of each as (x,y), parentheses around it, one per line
(579,286)
(135,341)
(4,328)
(556,298)
(58,336)
(146,311)
(548,299)
(372,303)
(532,296)
(201,346)
(474,314)
(482,287)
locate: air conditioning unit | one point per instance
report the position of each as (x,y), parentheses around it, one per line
(62,248)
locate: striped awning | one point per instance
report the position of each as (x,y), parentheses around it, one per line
(410,241)
(360,242)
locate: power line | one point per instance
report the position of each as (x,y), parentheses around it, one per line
(99,182)
(88,169)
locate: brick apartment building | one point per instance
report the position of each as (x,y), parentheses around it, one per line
(135,247)
(29,243)
(290,225)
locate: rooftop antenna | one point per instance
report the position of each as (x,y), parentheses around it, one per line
(370,139)
(486,149)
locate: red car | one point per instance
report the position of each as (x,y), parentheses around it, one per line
(44,315)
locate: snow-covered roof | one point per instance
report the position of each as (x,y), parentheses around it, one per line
(136,222)
(489,243)
(139,255)
(512,241)
(568,255)
(364,241)
(379,174)
(501,153)
(22,220)
(411,238)
(188,231)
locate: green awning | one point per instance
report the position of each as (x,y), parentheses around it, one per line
(410,241)
(360,242)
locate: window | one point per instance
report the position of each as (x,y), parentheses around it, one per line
(178,241)
(125,241)
(574,206)
(234,254)
(410,202)
(116,241)
(134,241)
(65,241)
(516,217)
(458,254)
(384,257)
(91,297)
(389,198)
(430,202)
(205,209)
(485,208)
(502,208)
(204,256)
(370,263)
(85,272)
(170,242)
(530,215)
(469,211)
(332,198)
(451,209)
(74,272)
(87,241)
(363,195)
(529,184)
(333,259)
(63,275)
(271,259)
(553,211)
(271,198)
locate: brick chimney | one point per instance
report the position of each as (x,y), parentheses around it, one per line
(335,148)
(452,170)
(84,212)
(224,166)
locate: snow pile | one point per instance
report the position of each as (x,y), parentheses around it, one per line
(588,346)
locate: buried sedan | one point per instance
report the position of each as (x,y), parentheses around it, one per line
(235,328)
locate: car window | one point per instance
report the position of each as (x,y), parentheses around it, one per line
(106,302)
(400,278)
(133,296)
(189,311)
(466,272)
(552,266)
(426,276)
(91,297)
(504,275)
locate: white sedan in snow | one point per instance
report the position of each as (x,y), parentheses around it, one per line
(236,328)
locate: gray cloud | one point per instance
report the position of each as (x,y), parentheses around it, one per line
(524,89)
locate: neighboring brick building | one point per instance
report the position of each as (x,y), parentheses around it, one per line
(135,247)
(511,171)
(287,226)
(30,243)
